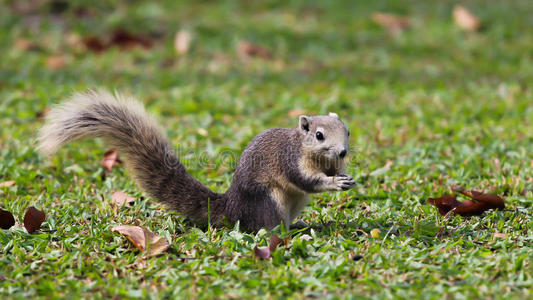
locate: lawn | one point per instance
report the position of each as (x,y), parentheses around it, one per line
(427,108)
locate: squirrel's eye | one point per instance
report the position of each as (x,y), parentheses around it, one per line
(319,136)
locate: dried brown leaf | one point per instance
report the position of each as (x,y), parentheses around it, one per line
(110,159)
(274,242)
(182,41)
(33,219)
(263,253)
(95,44)
(246,50)
(142,238)
(127,40)
(465,19)
(490,200)
(499,235)
(6,219)
(121,198)
(134,233)
(394,24)
(7,183)
(121,38)
(480,203)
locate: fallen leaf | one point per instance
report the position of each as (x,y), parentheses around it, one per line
(55,62)
(375,233)
(95,44)
(127,40)
(246,49)
(121,38)
(480,202)
(444,203)
(142,238)
(110,159)
(492,200)
(6,219)
(465,19)
(33,219)
(499,235)
(263,253)
(394,24)
(121,198)
(157,244)
(182,41)
(274,242)
(7,183)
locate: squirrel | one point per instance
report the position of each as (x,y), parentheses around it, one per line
(272,180)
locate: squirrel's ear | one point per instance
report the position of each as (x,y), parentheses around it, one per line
(333,115)
(304,123)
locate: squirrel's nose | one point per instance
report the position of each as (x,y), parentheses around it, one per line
(342,154)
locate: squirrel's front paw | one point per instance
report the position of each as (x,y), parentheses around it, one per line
(343,182)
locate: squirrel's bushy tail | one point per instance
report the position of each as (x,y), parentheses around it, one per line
(125,126)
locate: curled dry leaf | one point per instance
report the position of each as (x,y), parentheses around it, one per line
(126,40)
(6,219)
(263,253)
(246,49)
(33,219)
(110,159)
(121,198)
(480,202)
(142,238)
(182,41)
(394,24)
(7,183)
(274,242)
(465,19)
(121,38)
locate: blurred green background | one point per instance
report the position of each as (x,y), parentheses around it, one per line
(428,103)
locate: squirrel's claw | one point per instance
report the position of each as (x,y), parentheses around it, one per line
(344,182)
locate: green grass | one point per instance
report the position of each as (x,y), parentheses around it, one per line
(444,106)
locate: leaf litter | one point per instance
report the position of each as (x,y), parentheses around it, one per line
(480,202)
(266,252)
(110,159)
(6,219)
(142,238)
(120,198)
(33,219)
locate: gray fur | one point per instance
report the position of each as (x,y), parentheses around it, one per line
(273,176)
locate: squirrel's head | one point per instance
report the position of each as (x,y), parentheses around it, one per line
(326,137)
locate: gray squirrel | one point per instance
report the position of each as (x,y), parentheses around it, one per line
(272,180)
